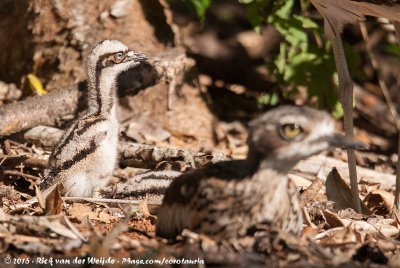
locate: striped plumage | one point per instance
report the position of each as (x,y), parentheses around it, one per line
(228,199)
(86,155)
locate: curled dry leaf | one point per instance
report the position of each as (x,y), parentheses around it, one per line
(311,191)
(332,219)
(372,226)
(343,235)
(338,190)
(41,200)
(386,229)
(39,226)
(380,201)
(53,202)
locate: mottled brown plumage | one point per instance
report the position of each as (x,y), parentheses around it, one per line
(228,199)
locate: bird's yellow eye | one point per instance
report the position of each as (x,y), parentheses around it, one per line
(291,131)
(118,56)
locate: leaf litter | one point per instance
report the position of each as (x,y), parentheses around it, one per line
(69,228)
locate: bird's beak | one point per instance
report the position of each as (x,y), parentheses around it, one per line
(136,56)
(338,140)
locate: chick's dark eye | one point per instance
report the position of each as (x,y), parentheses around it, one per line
(118,56)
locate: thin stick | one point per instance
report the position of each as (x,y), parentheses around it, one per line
(345,92)
(21,174)
(396,205)
(107,200)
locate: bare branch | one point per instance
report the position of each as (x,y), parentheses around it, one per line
(48,109)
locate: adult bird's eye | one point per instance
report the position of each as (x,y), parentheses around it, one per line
(118,56)
(292,131)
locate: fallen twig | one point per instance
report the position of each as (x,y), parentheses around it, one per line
(148,156)
(49,108)
(37,161)
(21,174)
(135,154)
(107,200)
(152,205)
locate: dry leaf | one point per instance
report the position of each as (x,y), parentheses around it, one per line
(144,129)
(311,191)
(373,226)
(380,201)
(386,229)
(118,228)
(362,226)
(39,226)
(332,219)
(306,230)
(53,202)
(98,249)
(144,208)
(338,191)
(105,217)
(80,211)
(341,236)
(39,196)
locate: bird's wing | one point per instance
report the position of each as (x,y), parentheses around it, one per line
(80,140)
(173,215)
(337,13)
(183,195)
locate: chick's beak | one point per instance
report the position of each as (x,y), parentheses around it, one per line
(136,56)
(345,141)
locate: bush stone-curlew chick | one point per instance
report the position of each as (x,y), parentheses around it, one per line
(86,155)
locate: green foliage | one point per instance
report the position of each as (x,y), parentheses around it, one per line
(392,49)
(303,59)
(257,11)
(268,99)
(301,62)
(338,111)
(199,6)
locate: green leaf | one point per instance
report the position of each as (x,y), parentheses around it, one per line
(280,60)
(338,111)
(268,99)
(257,29)
(302,62)
(306,22)
(274,99)
(284,8)
(254,15)
(199,6)
(392,49)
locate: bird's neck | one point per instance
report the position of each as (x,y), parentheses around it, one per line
(264,163)
(102,94)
